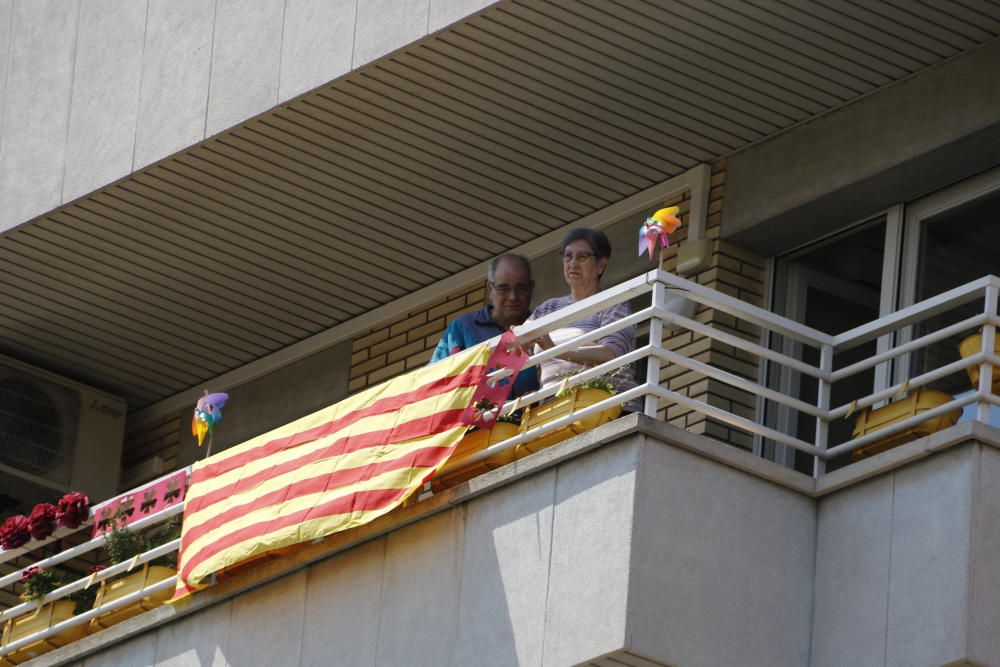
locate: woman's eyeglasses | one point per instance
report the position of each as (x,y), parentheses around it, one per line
(579,258)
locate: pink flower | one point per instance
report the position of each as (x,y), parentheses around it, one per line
(73,509)
(42,520)
(30,572)
(14,532)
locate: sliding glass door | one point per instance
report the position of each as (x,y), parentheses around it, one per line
(951,238)
(832,286)
(908,254)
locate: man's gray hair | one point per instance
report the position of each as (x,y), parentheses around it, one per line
(491,272)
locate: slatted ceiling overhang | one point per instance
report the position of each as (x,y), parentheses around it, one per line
(485,136)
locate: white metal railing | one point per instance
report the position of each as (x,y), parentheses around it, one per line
(658,286)
(93,579)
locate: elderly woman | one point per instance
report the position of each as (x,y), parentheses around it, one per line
(585,255)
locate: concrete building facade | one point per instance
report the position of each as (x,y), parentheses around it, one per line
(290,199)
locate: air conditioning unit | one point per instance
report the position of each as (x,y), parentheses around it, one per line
(56,435)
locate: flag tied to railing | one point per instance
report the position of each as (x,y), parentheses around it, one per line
(335,469)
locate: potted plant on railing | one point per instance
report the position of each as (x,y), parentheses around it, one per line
(123,545)
(570,400)
(474,441)
(36,584)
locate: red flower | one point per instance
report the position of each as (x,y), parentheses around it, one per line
(14,532)
(73,509)
(30,572)
(42,520)
(94,569)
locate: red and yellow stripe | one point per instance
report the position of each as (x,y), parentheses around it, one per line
(337,468)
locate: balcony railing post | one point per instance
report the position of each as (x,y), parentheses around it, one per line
(655,340)
(986,368)
(823,403)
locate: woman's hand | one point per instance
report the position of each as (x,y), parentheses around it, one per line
(545,342)
(589,354)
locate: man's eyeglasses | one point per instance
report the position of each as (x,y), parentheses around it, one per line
(580,257)
(505,290)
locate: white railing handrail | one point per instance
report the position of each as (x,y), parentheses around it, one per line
(743,310)
(660,285)
(911,346)
(87,616)
(901,426)
(527,335)
(93,544)
(774,323)
(612,296)
(57,534)
(92,579)
(912,314)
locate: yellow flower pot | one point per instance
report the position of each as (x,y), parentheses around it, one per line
(119,588)
(578,399)
(969,347)
(919,401)
(472,443)
(42,618)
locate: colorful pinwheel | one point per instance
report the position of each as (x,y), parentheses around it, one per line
(657,228)
(207,414)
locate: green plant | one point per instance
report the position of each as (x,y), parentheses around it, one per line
(38,583)
(512,418)
(602,383)
(122,544)
(167,532)
(84,598)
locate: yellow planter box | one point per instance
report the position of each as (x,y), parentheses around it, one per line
(921,400)
(969,347)
(115,590)
(472,443)
(578,399)
(42,618)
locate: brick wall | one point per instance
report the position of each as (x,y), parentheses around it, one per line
(408,340)
(740,274)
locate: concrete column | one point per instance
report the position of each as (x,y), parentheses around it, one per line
(445,12)
(246,50)
(386,25)
(266,623)
(175,70)
(6,14)
(105,102)
(721,565)
(36,107)
(317,44)
(418,621)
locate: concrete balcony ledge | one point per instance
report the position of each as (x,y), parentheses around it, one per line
(636,543)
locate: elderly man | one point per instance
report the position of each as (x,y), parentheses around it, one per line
(510,286)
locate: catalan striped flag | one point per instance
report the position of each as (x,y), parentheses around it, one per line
(337,468)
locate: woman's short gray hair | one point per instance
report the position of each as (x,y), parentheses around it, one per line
(595,238)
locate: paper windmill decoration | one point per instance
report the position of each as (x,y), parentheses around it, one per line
(207,414)
(656,230)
